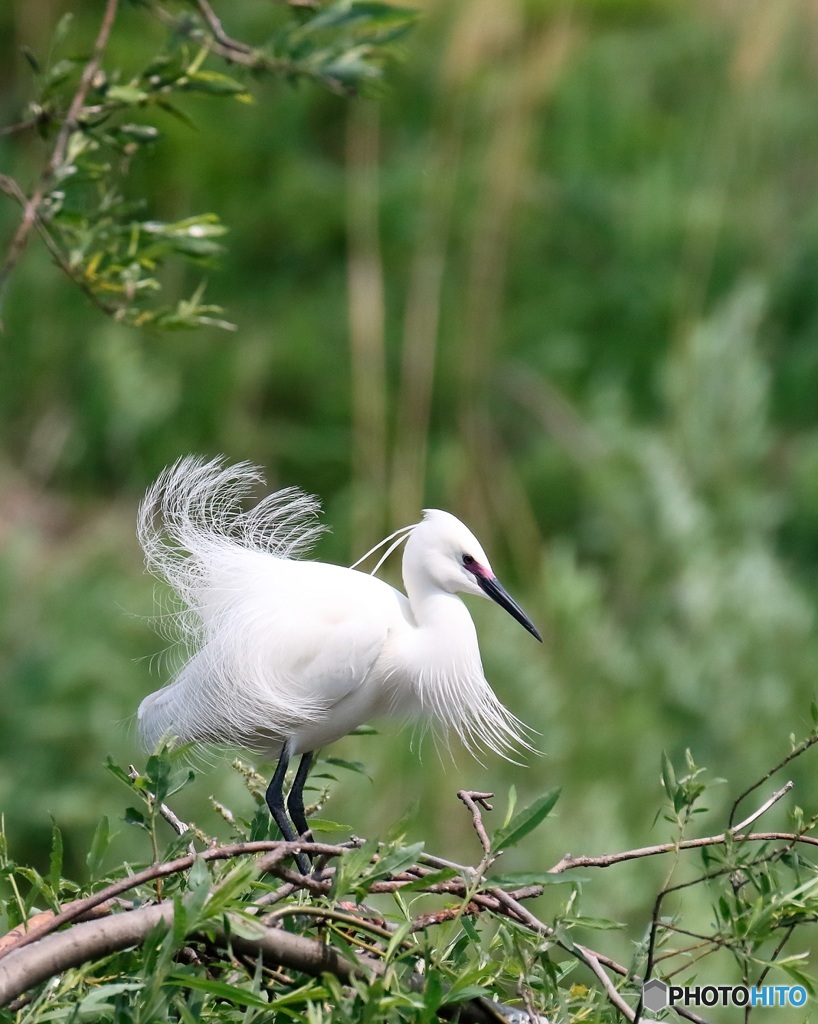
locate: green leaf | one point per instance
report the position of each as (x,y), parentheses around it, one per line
(396,860)
(199,882)
(99,845)
(668,776)
(217,84)
(350,867)
(118,772)
(134,817)
(129,95)
(350,766)
(139,132)
(323,825)
(512,803)
(32,61)
(795,969)
(599,923)
(526,821)
(460,993)
(62,29)
(56,859)
(231,887)
(157,772)
(232,994)
(245,926)
(365,730)
(433,878)
(348,12)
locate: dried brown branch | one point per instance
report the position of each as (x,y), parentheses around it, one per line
(471,800)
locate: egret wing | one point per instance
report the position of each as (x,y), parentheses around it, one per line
(283,644)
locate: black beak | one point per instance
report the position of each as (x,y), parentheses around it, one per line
(494,589)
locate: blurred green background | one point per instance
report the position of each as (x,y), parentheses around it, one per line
(560,278)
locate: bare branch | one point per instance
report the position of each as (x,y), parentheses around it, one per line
(472,799)
(569,861)
(797,751)
(763,809)
(219,34)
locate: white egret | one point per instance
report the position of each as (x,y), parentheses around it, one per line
(286,655)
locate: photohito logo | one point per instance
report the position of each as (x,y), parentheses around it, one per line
(657,995)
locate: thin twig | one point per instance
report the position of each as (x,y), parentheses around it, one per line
(21,126)
(764,807)
(329,914)
(797,751)
(472,799)
(176,823)
(569,861)
(218,32)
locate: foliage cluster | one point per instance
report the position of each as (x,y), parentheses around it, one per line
(385,931)
(102,121)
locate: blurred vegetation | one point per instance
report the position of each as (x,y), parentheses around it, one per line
(558,274)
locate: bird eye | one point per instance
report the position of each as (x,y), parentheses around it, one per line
(468,561)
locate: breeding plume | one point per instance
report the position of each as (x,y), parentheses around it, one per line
(286,655)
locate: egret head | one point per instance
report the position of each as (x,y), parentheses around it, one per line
(449,556)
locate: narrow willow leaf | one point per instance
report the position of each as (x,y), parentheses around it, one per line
(99,845)
(323,825)
(118,772)
(668,776)
(351,766)
(396,860)
(56,859)
(526,821)
(232,994)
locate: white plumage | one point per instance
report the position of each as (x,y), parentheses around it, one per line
(286,655)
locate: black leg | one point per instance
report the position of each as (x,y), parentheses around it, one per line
(275,801)
(295,801)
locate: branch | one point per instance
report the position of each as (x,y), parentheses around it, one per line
(93,939)
(472,799)
(606,860)
(763,809)
(219,34)
(793,754)
(279,849)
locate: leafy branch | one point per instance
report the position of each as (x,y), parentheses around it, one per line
(101,239)
(232,910)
